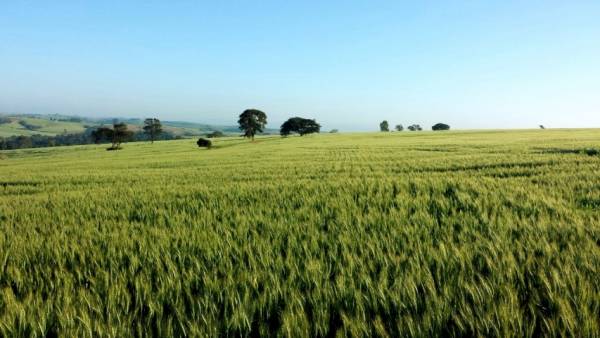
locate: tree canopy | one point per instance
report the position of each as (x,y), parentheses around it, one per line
(299,125)
(152,128)
(252,121)
(384,126)
(440,126)
(117,135)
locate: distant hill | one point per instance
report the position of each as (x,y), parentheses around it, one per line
(55,124)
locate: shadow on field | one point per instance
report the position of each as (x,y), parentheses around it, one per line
(580,151)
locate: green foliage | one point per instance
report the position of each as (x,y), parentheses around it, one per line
(117,135)
(414,127)
(440,126)
(204,143)
(399,127)
(299,125)
(152,128)
(384,126)
(395,234)
(252,122)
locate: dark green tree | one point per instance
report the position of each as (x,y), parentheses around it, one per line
(299,125)
(120,134)
(152,128)
(415,127)
(102,134)
(399,127)
(252,121)
(440,126)
(384,126)
(117,135)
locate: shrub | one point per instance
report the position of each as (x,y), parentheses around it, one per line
(415,127)
(204,143)
(592,151)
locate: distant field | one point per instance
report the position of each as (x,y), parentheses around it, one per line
(43,127)
(493,233)
(52,125)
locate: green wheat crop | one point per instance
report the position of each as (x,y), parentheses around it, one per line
(390,234)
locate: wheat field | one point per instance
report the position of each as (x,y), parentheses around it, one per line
(488,233)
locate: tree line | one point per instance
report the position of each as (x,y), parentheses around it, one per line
(251,122)
(385,126)
(115,135)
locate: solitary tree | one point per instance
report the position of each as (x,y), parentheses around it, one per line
(399,127)
(252,121)
(384,126)
(299,125)
(542,126)
(440,126)
(152,128)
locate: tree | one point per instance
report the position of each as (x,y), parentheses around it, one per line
(102,134)
(542,127)
(333,131)
(384,126)
(440,126)
(152,128)
(117,135)
(120,135)
(299,125)
(415,127)
(399,127)
(252,121)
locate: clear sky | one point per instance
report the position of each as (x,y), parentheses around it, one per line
(349,64)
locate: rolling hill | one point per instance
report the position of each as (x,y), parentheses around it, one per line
(51,125)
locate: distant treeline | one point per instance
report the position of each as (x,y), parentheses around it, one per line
(41,141)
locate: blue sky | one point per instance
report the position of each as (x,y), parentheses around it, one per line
(349,64)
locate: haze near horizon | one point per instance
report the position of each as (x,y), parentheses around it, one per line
(347,64)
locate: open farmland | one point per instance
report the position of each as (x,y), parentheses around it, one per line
(492,233)
(38,126)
